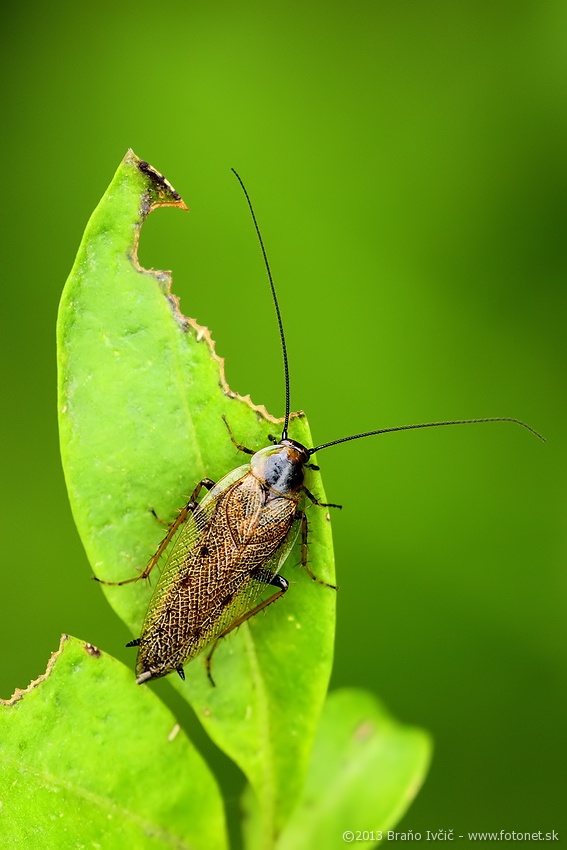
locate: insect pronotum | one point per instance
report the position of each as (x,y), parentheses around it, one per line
(227,546)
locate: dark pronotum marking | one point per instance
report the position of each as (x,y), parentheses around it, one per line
(158,178)
(204,551)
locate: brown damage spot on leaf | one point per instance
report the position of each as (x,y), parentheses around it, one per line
(20,692)
(162,194)
(364,731)
(163,186)
(92,650)
(203,333)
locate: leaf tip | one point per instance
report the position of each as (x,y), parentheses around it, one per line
(162,192)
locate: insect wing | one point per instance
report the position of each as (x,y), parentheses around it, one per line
(207,582)
(192,529)
(251,589)
(181,562)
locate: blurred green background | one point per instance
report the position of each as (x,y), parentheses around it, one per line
(408,165)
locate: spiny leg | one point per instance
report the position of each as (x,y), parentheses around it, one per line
(304,564)
(305,534)
(267,577)
(319,504)
(233,439)
(191,505)
(159,519)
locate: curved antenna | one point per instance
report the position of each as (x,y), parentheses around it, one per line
(427,425)
(276,305)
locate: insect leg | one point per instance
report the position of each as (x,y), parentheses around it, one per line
(159,519)
(315,501)
(177,522)
(304,564)
(233,440)
(267,577)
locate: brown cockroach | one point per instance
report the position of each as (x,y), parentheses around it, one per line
(226,547)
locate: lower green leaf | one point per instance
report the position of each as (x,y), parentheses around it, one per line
(89,759)
(365,771)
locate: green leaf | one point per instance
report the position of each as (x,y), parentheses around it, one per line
(89,760)
(141,399)
(365,771)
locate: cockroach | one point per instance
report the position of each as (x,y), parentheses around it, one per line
(228,545)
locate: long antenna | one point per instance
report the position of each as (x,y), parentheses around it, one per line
(276,305)
(426,425)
